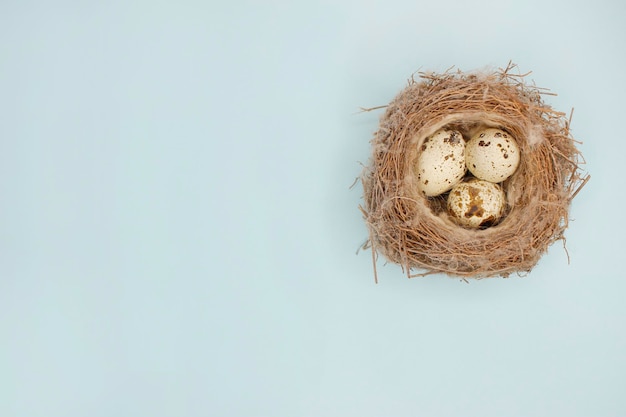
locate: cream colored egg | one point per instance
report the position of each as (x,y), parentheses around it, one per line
(492,155)
(441,162)
(476,203)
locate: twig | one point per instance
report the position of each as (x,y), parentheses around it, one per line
(366,109)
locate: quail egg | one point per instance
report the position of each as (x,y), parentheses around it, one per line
(476,203)
(441,162)
(492,155)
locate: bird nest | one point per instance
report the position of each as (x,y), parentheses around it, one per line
(416,231)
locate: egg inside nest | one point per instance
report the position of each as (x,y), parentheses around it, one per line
(476,203)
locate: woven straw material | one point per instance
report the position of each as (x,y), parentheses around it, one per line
(416,231)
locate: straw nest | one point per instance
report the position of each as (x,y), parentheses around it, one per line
(416,231)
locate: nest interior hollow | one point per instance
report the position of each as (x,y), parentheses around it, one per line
(415,231)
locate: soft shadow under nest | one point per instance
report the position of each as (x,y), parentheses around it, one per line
(415,231)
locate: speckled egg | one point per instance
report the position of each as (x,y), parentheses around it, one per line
(441,162)
(492,155)
(476,203)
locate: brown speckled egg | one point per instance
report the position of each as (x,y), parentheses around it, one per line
(441,162)
(476,203)
(492,155)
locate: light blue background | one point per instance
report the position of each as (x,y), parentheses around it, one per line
(178,236)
